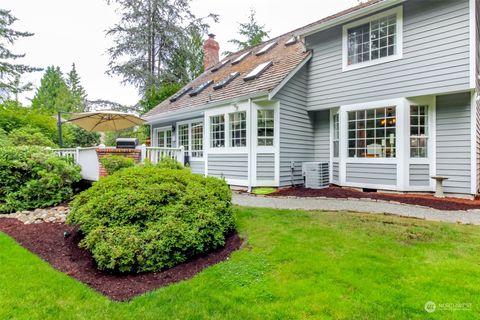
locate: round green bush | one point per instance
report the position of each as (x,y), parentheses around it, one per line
(114,163)
(33,177)
(147,218)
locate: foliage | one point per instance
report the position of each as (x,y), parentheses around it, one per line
(147,218)
(74,136)
(148,39)
(252,32)
(142,133)
(155,95)
(10,72)
(53,95)
(115,163)
(264,191)
(79,95)
(294,265)
(169,163)
(32,177)
(29,136)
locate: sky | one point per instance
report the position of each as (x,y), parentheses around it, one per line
(73,31)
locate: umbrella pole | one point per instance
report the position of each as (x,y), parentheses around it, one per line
(59,125)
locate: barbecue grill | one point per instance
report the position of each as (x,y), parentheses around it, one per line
(127,143)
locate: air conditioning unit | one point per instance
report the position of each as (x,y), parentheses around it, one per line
(316,174)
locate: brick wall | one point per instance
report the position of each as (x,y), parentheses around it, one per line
(105,152)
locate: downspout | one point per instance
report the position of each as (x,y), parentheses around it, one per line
(250,146)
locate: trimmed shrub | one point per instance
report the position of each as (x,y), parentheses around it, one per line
(169,163)
(147,218)
(114,163)
(32,177)
(27,136)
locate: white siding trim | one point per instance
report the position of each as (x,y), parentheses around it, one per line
(473,51)
(473,144)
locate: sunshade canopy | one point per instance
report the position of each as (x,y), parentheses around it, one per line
(105,120)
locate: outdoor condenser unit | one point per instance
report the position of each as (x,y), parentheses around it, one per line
(316,174)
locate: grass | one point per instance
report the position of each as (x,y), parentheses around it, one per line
(296,265)
(263,191)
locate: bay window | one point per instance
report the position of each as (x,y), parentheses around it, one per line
(217,131)
(372,133)
(418,131)
(265,127)
(238,129)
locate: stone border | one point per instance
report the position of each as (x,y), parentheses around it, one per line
(51,215)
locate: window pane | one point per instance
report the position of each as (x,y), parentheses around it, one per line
(265,127)
(217,131)
(238,129)
(418,131)
(197,139)
(183,136)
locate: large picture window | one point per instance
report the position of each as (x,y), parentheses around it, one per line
(238,129)
(375,39)
(164,138)
(265,127)
(217,131)
(372,133)
(418,131)
(197,139)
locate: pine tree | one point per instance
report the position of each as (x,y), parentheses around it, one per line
(252,32)
(11,72)
(53,95)
(76,89)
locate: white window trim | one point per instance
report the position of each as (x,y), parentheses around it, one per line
(188,149)
(399,40)
(155,135)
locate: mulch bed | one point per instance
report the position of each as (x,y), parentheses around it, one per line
(47,241)
(449,204)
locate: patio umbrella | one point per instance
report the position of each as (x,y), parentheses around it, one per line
(105,120)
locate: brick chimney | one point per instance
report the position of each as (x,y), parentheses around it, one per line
(210,52)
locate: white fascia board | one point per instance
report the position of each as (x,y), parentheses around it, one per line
(285,80)
(197,111)
(347,17)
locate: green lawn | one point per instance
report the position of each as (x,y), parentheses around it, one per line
(295,265)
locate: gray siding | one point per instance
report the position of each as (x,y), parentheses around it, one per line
(477,56)
(230,166)
(296,129)
(370,173)
(453,140)
(435,59)
(322,135)
(198,167)
(265,166)
(336,172)
(419,175)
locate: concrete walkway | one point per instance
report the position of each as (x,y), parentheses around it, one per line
(368,206)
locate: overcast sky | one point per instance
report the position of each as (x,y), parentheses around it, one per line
(69,31)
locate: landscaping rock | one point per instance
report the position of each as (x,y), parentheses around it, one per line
(50,215)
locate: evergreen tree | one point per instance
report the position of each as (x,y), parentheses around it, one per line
(53,95)
(252,32)
(11,72)
(76,89)
(149,37)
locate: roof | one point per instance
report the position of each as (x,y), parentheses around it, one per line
(285,60)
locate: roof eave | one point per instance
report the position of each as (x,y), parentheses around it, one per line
(347,17)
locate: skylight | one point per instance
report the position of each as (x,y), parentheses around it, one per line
(291,41)
(179,94)
(255,73)
(266,48)
(200,88)
(240,58)
(226,81)
(220,65)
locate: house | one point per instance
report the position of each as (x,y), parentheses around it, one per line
(385,93)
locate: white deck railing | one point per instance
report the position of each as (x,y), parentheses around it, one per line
(88,160)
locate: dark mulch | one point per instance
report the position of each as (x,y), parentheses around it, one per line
(47,241)
(448,204)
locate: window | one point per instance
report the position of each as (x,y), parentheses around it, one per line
(180,94)
(336,135)
(164,138)
(372,133)
(266,48)
(265,127)
(217,131)
(238,129)
(255,73)
(241,57)
(200,88)
(418,131)
(183,136)
(374,39)
(220,65)
(197,139)
(223,83)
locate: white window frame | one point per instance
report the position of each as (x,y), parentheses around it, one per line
(231,121)
(275,133)
(399,40)
(188,149)
(155,136)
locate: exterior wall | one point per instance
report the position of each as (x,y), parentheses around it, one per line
(419,175)
(335,172)
(435,59)
(321,135)
(197,166)
(384,174)
(453,141)
(477,98)
(229,166)
(296,129)
(265,166)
